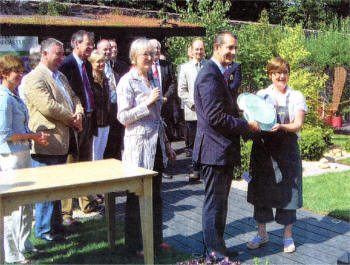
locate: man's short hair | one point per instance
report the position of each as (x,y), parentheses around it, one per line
(101,41)
(195,39)
(46,45)
(220,37)
(79,36)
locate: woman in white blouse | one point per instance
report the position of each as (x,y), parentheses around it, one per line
(145,143)
(275,159)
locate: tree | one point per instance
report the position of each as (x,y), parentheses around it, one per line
(311,13)
(211,14)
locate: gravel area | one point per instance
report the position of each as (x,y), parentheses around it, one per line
(312,168)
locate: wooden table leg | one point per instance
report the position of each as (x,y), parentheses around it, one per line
(110,217)
(146,211)
(2,215)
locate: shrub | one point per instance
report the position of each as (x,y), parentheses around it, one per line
(292,47)
(211,14)
(246,148)
(312,144)
(53,9)
(325,130)
(327,134)
(329,48)
(257,45)
(347,145)
(308,81)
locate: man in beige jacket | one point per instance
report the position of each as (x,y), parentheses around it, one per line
(54,109)
(187,76)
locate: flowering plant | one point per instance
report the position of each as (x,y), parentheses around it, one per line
(212,261)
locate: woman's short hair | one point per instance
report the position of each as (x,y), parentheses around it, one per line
(138,46)
(9,63)
(277,64)
(95,56)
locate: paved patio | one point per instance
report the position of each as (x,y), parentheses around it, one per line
(319,239)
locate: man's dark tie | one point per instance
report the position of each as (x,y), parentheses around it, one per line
(226,78)
(88,88)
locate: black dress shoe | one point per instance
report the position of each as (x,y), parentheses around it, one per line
(52,237)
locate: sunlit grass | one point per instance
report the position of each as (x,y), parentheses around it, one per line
(328,194)
(100,20)
(88,245)
(339,139)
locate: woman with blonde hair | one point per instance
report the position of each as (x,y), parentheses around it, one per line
(15,138)
(145,142)
(102,104)
(275,159)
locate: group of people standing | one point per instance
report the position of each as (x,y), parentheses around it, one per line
(89,105)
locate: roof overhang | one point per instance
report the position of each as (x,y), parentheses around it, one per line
(107,27)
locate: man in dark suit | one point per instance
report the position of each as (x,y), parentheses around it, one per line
(233,74)
(217,143)
(116,130)
(163,74)
(78,71)
(120,67)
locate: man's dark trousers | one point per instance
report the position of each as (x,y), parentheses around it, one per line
(217,182)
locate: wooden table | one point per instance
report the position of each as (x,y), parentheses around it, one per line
(31,185)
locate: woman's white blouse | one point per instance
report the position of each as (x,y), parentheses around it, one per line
(143,125)
(296,100)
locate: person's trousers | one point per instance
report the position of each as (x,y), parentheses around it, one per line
(191,134)
(18,225)
(99,143)
(115,141)
(217,182)
(48,217)
(67,204)
(85,140)
(264,215)
(133,236)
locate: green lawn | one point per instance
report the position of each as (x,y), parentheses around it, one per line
(328,194)
(344,161)
(339,139)
(89,246)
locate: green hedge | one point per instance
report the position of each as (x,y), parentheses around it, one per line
(312,144)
